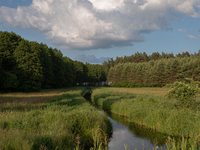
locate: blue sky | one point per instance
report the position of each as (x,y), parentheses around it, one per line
(93,30)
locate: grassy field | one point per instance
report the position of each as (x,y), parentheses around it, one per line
(144,90)
(28,100)
(149,107)
(51,119)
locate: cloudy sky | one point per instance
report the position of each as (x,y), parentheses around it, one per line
(95,30)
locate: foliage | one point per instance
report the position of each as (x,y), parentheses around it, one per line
(54,125)
(184,92)
(30,66)
(143,57)
(153,111)
(156,73)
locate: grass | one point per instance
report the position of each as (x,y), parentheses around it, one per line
(24,101)
(150,109)
(50,120)
(143,90)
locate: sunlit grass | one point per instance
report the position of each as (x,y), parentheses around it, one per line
(150,109)
(53,122)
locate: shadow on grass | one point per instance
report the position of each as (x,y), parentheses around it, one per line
(68,99)
(109,99)
(32,103)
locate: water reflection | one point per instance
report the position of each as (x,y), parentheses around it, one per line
(136,137)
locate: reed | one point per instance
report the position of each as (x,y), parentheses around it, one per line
(151,110)
(54,124)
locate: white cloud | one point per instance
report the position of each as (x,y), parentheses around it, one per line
(185,31)
(91,59)
(182,30)
(107,5)
(191,36)
(93,24)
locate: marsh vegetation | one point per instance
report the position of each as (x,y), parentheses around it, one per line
(61,122)
(151,110)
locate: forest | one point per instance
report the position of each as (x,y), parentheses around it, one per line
(155,73)
(31,66)
(143,57)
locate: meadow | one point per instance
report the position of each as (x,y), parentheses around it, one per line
(62,119)
(51,119)
(150,107)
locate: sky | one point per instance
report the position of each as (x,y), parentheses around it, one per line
(95,30)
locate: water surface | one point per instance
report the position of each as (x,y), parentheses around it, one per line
(134,136)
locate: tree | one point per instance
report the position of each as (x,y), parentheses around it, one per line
(29,69)
(80,75)
(145,57)
(106,67)
(8,44)
(155,56)
(159,76)
(47,67)
(70,73)
(58,71)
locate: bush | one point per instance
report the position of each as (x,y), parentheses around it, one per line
(184,91)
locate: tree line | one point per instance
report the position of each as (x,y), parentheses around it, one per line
(143,57)
(31,66)
(155,73)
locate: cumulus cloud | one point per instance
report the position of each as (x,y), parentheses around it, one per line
(93,24)
(91,59)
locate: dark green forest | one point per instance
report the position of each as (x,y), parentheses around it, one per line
(155,73)
(143,57)
(30,66)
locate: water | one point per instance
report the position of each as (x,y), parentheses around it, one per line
(134,136)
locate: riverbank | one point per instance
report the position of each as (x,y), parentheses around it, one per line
(42,121)
(149,109)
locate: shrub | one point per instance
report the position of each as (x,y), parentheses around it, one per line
(183,91)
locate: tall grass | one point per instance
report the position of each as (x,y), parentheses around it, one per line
(55,124)
(153,111)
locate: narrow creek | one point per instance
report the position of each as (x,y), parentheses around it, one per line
(132,135)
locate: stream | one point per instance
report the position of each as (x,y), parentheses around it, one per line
(132,135)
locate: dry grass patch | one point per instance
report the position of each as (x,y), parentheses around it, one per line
(27,100)
(51,92)
(157,91)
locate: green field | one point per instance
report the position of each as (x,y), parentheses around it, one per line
(62,119)
(51,119)
(149,107)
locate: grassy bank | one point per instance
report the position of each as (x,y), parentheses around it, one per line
(39,121)
(150,108)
